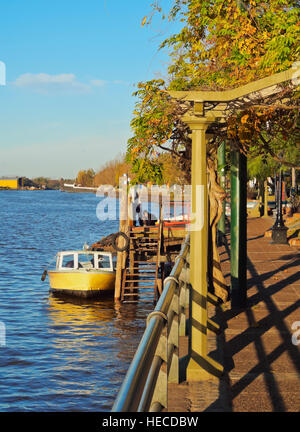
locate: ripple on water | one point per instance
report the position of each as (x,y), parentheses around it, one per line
(60,354)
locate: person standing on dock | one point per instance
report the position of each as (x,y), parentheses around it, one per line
(136,206)
(149,219)
(139,212)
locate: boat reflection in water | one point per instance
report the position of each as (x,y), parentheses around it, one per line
(92,319)
(79,311)
(83,351)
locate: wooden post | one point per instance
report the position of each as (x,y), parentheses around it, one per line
(294,179)
(122,228)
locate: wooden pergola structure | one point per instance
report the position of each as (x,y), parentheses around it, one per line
(209,108)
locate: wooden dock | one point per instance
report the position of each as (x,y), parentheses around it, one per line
(145,253)
(148,259)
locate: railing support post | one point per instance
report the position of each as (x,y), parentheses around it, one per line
(173,339)
(183,297)
(160,394)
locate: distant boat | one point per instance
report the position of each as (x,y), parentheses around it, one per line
(68,187)
(100,190)
(83,273)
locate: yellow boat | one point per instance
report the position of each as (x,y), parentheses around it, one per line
(83,273)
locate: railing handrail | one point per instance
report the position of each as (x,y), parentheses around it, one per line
(136,377)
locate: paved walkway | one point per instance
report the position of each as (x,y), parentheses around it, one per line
(262,365)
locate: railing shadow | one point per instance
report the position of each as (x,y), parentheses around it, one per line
(261,278)
(223,403)
(275,319)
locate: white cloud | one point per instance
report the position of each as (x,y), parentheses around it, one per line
(120,82)
(98,82)
(60,83)
(47,84)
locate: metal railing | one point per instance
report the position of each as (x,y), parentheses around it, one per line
(156,361)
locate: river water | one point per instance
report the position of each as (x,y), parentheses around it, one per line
(57,354)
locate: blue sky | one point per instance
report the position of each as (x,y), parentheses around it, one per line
(71,66)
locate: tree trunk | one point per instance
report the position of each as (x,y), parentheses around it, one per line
(216,280)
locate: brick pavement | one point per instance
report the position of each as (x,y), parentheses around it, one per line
(262,365)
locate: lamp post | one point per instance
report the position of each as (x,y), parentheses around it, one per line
(279,230)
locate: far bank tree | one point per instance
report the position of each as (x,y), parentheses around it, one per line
(86,177)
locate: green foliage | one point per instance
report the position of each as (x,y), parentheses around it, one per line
(261,167)
(146,171)
(153,121)
(155,117)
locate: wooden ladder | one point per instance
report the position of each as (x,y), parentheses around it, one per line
(140,277)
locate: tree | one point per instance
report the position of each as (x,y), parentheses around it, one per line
(171,169)
(223,45)
(111,172)
(86,177)
(157,127)
(41,181)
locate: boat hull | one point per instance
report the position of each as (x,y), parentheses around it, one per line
(82,284)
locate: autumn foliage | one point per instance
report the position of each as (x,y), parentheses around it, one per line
(110,173)
(85,177)
(222,44)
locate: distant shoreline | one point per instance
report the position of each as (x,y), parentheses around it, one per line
(71,190)
(26,189)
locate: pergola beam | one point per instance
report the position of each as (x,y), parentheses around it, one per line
(237,93)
